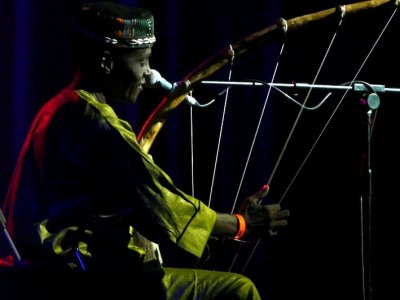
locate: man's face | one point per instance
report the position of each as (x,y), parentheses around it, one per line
(127,75)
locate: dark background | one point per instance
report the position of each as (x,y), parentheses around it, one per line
(334,218)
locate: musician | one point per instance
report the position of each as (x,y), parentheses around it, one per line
(85,198)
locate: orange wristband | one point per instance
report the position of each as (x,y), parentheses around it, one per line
(242,227)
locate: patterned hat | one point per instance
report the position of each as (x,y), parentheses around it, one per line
(117,25)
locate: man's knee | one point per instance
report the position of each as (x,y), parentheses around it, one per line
(243,288)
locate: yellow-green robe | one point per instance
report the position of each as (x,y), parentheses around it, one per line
(83,187)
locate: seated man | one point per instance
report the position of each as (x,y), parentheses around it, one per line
(86,198)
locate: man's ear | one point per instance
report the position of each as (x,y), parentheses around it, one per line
(107,62)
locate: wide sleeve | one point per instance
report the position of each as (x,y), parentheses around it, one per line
(187,220)
(159,210)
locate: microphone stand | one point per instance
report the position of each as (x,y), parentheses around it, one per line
(367,238)
(14,252)
(373,103)
(356,87)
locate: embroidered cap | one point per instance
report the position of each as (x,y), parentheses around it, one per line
(117,25)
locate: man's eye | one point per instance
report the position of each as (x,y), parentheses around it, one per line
(144,64)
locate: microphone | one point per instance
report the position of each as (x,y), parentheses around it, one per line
(155,80)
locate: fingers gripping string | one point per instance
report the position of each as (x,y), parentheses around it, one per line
(341,10)
(284,26)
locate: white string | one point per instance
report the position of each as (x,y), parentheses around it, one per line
(192,149)
(256,132)
(292,130)
(336,108)
(221,129)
